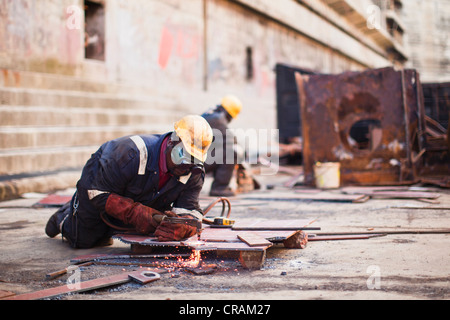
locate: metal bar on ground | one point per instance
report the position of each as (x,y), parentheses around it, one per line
(81,286)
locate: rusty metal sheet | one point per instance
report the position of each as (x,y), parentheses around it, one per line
(318,237)
(145,240)
(221,240)
(330,197)
(368,121)
(52,200)
(84,286)
(216,244)
(437,101)
(273,225)
(389,194)
(6,294)
(225,241)
(227,238)
(253,239)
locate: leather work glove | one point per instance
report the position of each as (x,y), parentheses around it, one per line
(168,231)
(141,217)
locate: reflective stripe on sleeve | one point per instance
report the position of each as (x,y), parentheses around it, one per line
(143,153)
(94,193)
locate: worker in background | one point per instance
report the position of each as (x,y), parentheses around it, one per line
(130,181)
(219,118)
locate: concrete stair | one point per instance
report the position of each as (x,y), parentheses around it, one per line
(52,122)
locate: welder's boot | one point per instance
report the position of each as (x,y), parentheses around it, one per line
(222,192)
(222,177)
(54,224)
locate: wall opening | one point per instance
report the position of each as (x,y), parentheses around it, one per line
(366,135)
(94,17)
(249,63)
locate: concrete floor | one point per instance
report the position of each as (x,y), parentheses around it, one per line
(401,265)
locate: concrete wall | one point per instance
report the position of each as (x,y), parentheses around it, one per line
(428,38)
(163,59)
(34,36)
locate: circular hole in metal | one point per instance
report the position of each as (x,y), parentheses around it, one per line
(365,135)
(148,274)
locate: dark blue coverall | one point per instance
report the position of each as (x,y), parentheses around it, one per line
(128,167)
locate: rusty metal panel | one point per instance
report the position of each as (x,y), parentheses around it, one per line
(368,121)
(273,225)
(435,162)
(437,102)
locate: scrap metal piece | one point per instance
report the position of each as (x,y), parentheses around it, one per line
(203,269)
(338,237)
(252,260)
(103,257)
(144,277)
(298,241)
(272,225)
(392,193)
(223,241)
(58,273)
(368,121)
(52,200)
(84,286)
(404,195)
(253,239)
(6,294)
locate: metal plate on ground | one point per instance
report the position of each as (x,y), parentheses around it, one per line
(274,225)
(226,239)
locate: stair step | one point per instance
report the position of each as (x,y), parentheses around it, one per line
(42,137)
(79,99)
(12,187)
(49,81)
(24,116)
(52,122)
(44,159)
(25,79)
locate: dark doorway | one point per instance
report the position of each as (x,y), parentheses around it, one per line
(94,15)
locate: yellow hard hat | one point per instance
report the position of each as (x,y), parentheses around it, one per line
(195,134)
(232,104)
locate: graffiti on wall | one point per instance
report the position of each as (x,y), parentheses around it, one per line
(180,52)
(178,41)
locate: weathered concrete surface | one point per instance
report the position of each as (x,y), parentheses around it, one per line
(410,266)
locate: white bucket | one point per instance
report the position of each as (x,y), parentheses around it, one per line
(328,175)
